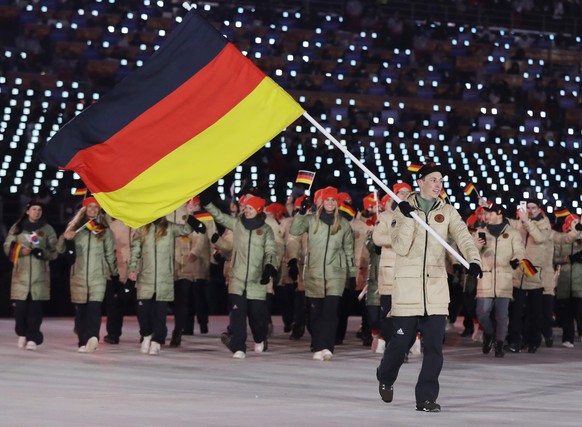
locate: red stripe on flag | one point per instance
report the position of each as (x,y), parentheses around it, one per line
(205,98)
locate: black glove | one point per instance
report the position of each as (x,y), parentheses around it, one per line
(405,208)
(378,249)
(128,286)
(475,270)
(208,196)
(37,253)
(305,205)
(196,225)
(514,263)
(268,272)
(70,254)
(293,269)
(115,284)
(215,238)
(579,227)
(457,268)
(576,257)
(352,283)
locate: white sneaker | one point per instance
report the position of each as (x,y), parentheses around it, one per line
(92,344)
(31,345)
(416,348)
(145,344)
(567,344)
(82,349)
(327,355)
(477,335)
(449,326)
(260,347)
(318,355)
(381,346)
(239,355)
(21,342)
(155,349)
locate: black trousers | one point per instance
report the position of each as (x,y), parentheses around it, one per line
(117,304)
(87,321)
(571,310)
(547,316)
(300,309)
(28,318)
(258,315)
(323,317)
(526,305)
(151,315)
(385,321)
(285,299)
(432,329)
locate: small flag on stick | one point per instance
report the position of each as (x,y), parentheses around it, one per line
(203,216)
(80,192)
(15,253)
(443,194)
(92,226)
(413,167)
(305,177)
(348,209)
(528,268)
(469,189)
(562,213)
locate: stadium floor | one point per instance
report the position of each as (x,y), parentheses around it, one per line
(200,384)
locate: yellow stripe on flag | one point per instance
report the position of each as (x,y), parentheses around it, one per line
(201,161)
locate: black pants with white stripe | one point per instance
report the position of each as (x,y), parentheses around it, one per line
(432,329)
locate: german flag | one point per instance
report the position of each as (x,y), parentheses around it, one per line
(443,194)
(203,216)
(528,268)
(469,189)
(80,192)
(348,210)
(413,167)
(15,253)
(562,213)
(193,112)
(94,226)
(305,177)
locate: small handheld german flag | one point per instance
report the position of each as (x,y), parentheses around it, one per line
(414,167)
(528,268)
(305,177)
(203,216)
(469,189)
(80,192)
(562,213)
(15,253)
(348,210)
(443,194)
(91,225)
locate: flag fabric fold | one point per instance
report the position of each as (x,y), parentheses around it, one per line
(193,112)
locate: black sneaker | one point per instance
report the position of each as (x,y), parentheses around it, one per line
(428,406)
(176,340)
(513,348)
(386,392)
(111,339)
(225,339)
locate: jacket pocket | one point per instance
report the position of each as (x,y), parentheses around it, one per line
(486,283)
(407,286)
(437,285)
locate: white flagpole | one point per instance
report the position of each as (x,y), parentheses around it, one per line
(448,247)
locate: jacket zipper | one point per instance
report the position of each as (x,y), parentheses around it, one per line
(87,272)
(248,257)
(325,257)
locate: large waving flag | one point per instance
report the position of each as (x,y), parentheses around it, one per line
(197,109)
